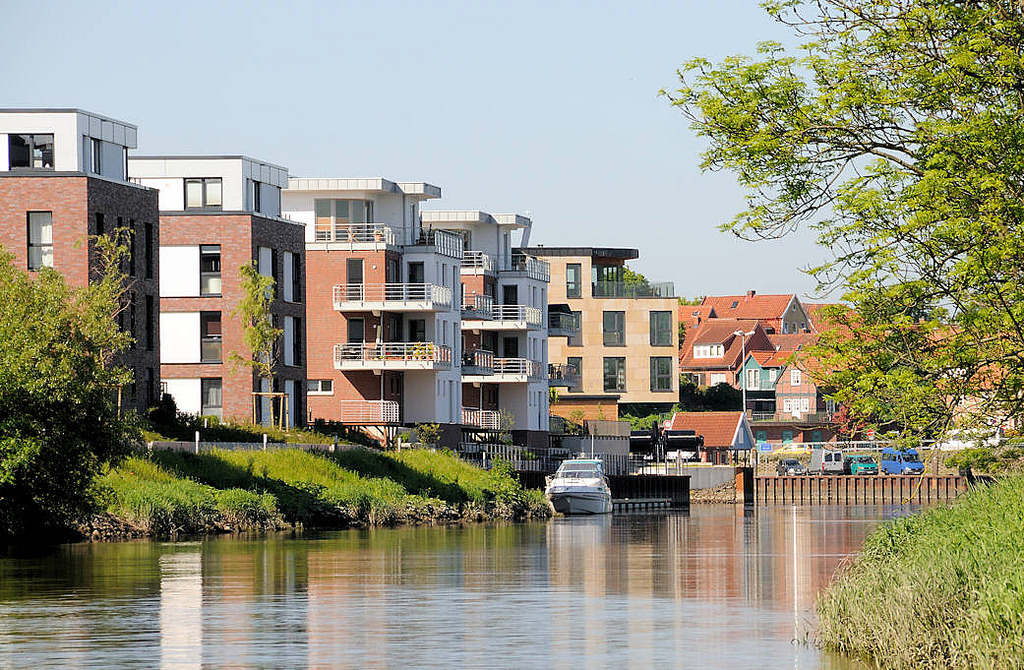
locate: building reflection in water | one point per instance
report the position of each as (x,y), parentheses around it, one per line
(181,610)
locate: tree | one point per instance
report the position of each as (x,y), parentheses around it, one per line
(60,424)
(893,132)
(258,330)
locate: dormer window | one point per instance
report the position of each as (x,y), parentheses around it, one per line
(735,304)
(708,350)
(30,151)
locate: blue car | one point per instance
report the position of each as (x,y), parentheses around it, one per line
(901,462)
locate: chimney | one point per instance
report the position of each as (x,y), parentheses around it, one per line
(750,294)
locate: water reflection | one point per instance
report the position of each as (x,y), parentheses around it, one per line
(715,588)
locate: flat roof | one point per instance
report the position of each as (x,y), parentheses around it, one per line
(474,216)
(378,184)
(202,157)
(63,110)
(618,253)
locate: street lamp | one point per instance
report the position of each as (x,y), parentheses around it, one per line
(743,360)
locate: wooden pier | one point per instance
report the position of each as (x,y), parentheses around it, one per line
(856,489)
(626,504)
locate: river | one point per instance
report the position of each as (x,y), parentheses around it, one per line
(713,588)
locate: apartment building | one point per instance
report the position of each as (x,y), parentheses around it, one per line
(218,213)
(504,324)
(63,179)
(383,302)
(628,329)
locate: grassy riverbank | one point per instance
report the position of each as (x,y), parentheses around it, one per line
(942,589)
(172,493)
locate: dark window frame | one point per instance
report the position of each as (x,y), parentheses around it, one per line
(613,337)
(659,376)
(31,146)
(203,184)
(204,386)
(620,374)
(653,330)
(205,338)
(38,245)
(577,363)
(574,288)
(207,251)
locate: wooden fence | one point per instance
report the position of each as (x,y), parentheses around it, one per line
(857,489)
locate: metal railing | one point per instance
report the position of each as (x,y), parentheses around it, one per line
(369,411)
(521,458)
(487,419)
(533,267)
(355,233)
(799,417)
(562,374)
(477,260)
(531,315)
(440,296)
(427,352)
(446,243)
(518,366)
(563,321)
(478,358)
(479,305)
(618,289)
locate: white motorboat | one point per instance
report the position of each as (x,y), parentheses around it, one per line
(579,487)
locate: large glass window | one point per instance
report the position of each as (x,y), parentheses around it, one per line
(211,344)
(209,270)
(30,151)
(573,274)
(212,393)
(319,386)
(577,339)
(614,374)
(575,365)
(661,373)
(203,193)
(342,220)
(661,329)
(417,330)
(614,329)
(40,240)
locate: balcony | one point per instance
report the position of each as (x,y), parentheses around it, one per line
(477,307)
(534,268)
(477,262)
(789,417)
(505,317)
(481,418)
(392,356)
(619,289)
(444,242)
(392,297)
(560,374)
(477,362)
(356,235)
(369,412)
(563,324)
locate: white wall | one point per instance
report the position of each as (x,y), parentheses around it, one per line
(179,271)
(67,129)
(179,337)
(187,394)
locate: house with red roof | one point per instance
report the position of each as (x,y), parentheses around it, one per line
(724,433)
(777,313)
(713,353)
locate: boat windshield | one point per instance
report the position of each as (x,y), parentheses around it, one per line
(579,471)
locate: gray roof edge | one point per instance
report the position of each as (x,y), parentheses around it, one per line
(63,110)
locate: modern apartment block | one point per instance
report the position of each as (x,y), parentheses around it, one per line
(627,342)
(63,178)
(383,302)
(504,324)
(218,213)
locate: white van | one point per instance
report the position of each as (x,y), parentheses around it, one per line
(826,462)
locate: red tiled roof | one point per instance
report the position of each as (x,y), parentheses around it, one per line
(792,341)
(718,428)
(694,315)
(749,306)
(720,331)
(815,313)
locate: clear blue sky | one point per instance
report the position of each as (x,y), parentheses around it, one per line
(546,108)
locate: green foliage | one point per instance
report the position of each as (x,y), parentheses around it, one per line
(893,131)
(647,422)
(258,331)
(696,300)
(720,397)
(940,589)
(59,420)
(633,278)
(428,433)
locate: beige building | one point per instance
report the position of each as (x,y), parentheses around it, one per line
(627,341)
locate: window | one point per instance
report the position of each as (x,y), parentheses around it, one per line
(148,234)
(100,226)
(320,386)
(753,379)
(212,397)
(296,281)
(577,339)
(354,279)
(787,437)
(760,436)
(30,151)
(150,387)
(614,329)
(575,363)
(40,240)
(322,220)
(342,220)
(661,329)
(614,374)
(297,339)
(805,405)
(150,329)
(203,193)
(97,156)
(573,274)
(254,198)
(816,436)
(787,405)
(716,378)
(209,270)
(661,373)
(210,341)
(417,330)
(795,377)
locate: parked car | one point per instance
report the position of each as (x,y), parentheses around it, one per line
(860,464)
(790,466)
(827,461)
(901,462)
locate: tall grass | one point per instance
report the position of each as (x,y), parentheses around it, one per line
(942,589)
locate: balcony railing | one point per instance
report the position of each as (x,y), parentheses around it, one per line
(560,374)
(477,260)
(392,355)
(533,267)
(481,418)
(793,417)
(393,295)
(531,315)
(618,289)
(478,361)
(445,242)
(354,233)
(370,412)
(563,323)
(478,306)
(518,366)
